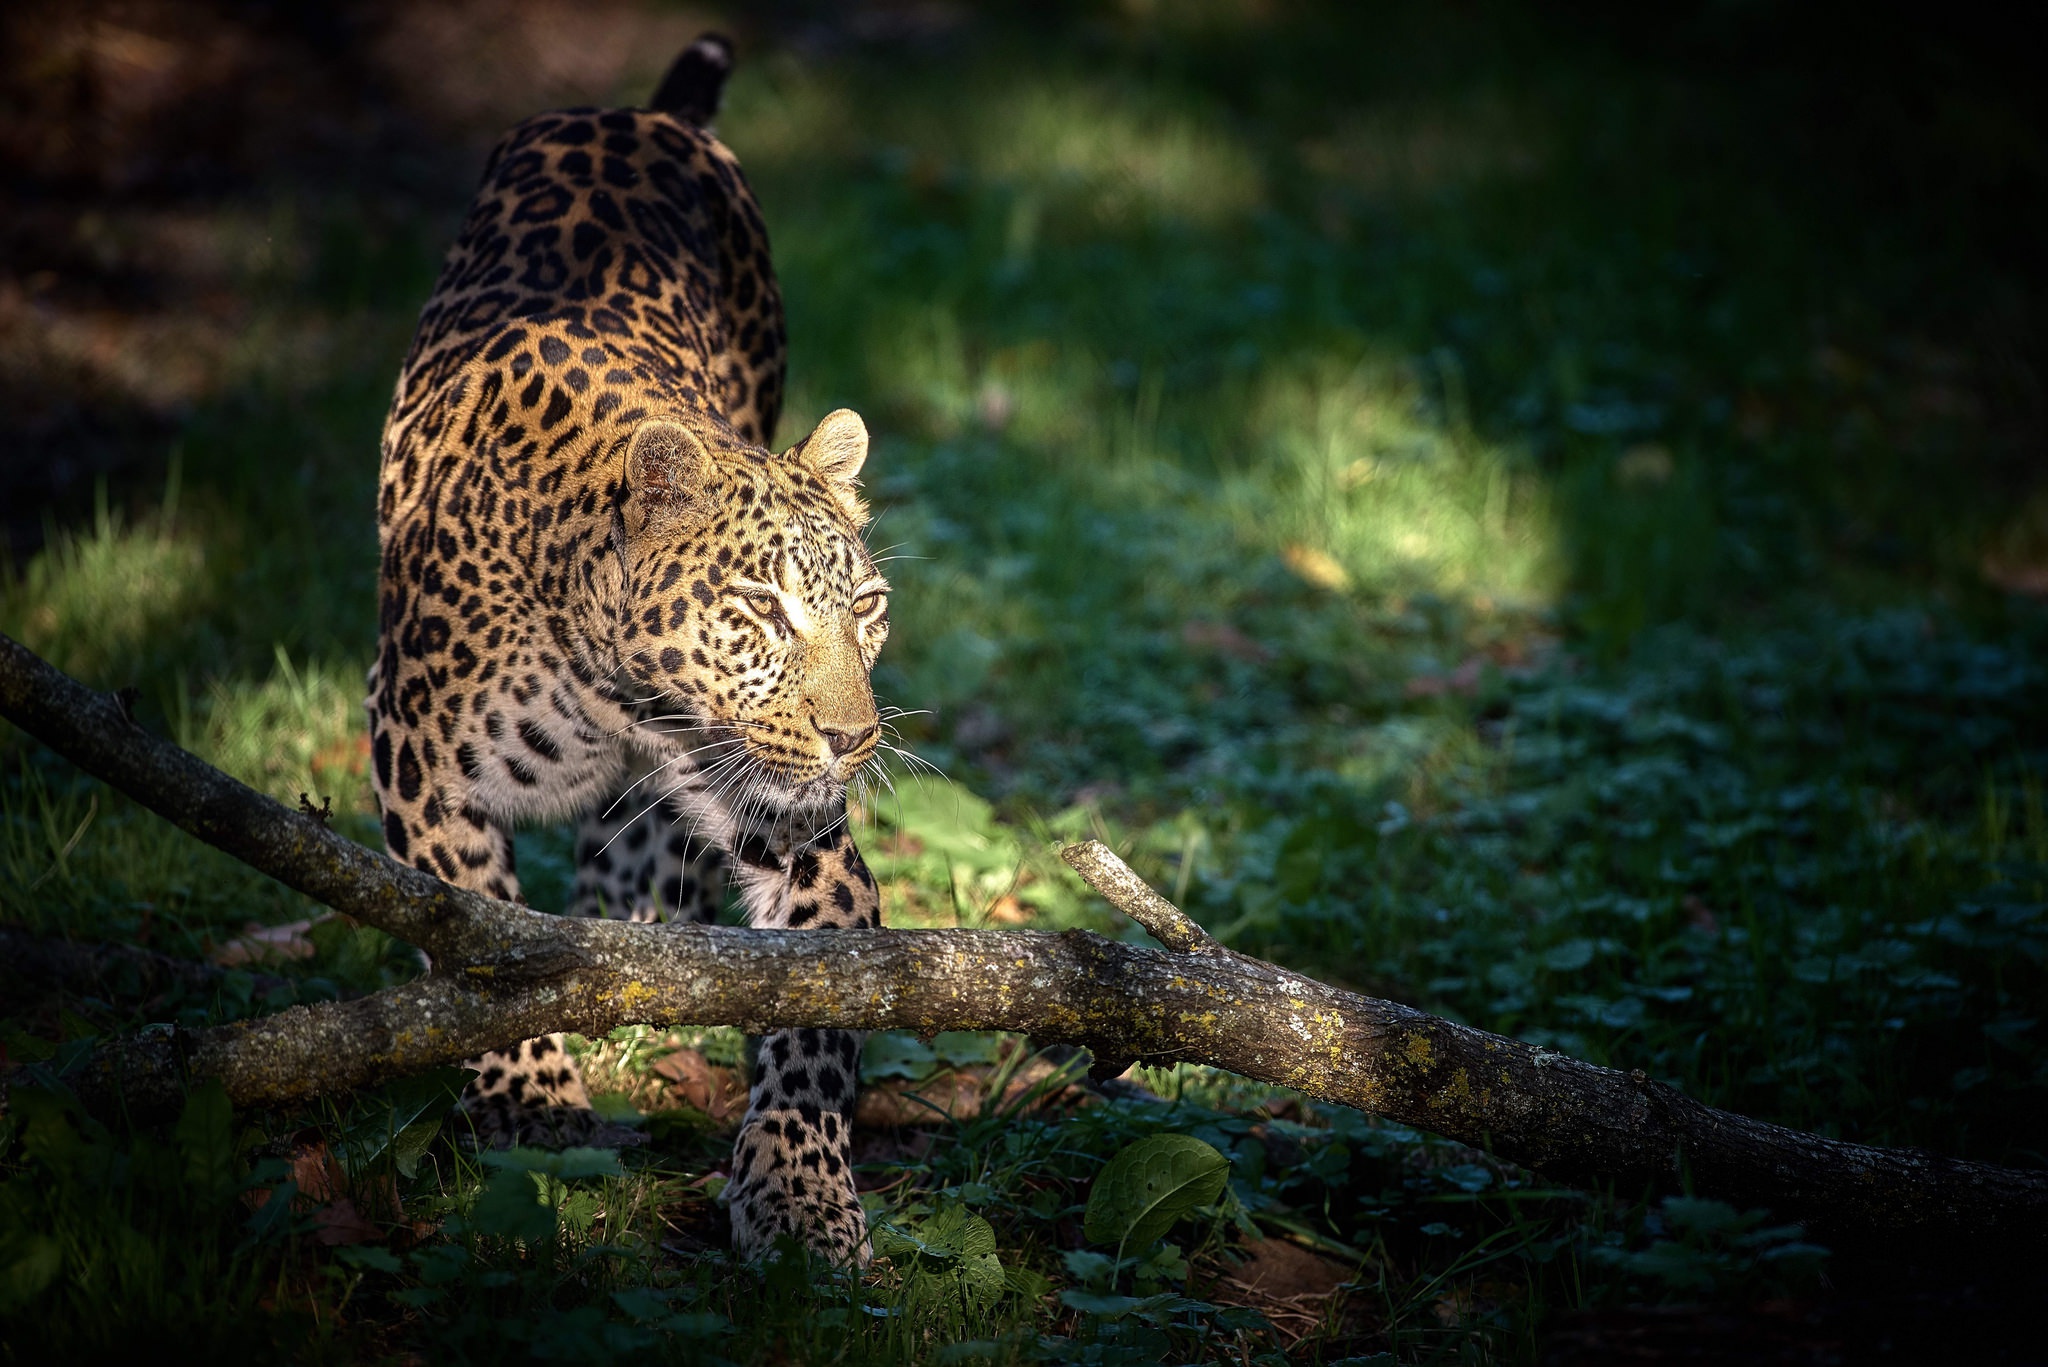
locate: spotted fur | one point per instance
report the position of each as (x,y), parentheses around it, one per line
(603,597)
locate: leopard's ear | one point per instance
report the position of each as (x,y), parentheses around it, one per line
(667,473)
(835,451)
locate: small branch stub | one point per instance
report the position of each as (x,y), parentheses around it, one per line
(1130,894)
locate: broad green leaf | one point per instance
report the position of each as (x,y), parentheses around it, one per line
(1091,1268)
(977,1238)
(568,1164)
(983,1277)
(894,1054)
(1465,1176)
(972,1193)
(1168,1264)
(1569,957)
(1702,1216)
(1116,1307)
(406,1121)
(697,1324)
(416,1297)
(982,1273)
(1097,1303)
(964,1047)
(1678,1266)
(962,1248)
(369,1257)
(893,1242)
(412,1097)
(578,1210)
(441,1263)
(1143,1190)
(23,1047)
(642,1302)
(410,1144)
(512,1207)
(1032,1286)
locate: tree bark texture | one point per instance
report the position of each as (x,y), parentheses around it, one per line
(504,973)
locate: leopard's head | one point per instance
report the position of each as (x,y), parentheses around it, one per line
(753,604)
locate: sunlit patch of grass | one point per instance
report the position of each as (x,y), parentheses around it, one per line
(1356,466)
(944,859)
(80,862)
(301,730)
(1090,150)
(1118,153)
(96,595)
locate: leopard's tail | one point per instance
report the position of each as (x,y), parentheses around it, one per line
(691,89)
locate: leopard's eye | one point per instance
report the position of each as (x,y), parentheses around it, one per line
(767,604)
(865,605)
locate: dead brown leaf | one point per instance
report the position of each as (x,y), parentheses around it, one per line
(316,1170)
(1224,639)
(349,756)
(259,943)
(1645,464)
(1299,1291)
(1316,566)
(325,1192)
(1463,681)
(696,1082)
(340,1223)
(1008,911)
(960,1094)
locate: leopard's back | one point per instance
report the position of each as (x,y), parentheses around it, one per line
(631,229)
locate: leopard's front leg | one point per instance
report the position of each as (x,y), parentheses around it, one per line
(792,1168)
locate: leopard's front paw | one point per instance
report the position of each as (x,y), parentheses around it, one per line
(794,1175)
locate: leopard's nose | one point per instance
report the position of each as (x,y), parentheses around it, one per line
(843,738)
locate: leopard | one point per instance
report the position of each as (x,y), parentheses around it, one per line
(603,598)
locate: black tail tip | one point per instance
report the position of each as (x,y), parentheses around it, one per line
(693,85)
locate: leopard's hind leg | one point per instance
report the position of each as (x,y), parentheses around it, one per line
(531,1093)
(634,862)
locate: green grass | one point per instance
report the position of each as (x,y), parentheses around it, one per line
(1475,514)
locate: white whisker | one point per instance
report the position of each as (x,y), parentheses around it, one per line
(911,757)
(670,763)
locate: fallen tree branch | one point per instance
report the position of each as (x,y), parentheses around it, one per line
(503,973)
